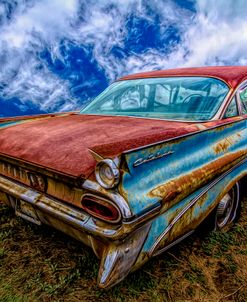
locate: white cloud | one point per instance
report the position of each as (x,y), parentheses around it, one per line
(216,34)
(48,18)
(35,25)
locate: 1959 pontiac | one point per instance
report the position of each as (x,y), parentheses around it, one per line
(138,169)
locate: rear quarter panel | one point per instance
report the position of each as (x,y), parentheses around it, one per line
(192,162)
(188,183)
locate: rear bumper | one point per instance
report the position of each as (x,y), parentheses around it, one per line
(57,214)
(117,256)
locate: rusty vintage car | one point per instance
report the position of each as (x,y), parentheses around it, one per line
(138,169)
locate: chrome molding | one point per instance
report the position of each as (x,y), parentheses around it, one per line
(220,112)
(173,243)
(103,201)
(181,136)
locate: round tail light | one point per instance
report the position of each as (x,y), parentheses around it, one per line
(101,208)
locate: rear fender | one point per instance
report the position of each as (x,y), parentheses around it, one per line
(187,215)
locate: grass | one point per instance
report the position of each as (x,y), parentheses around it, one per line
(40,264)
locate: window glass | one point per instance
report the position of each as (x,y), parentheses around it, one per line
(232,109)
(243,100)
(181,98)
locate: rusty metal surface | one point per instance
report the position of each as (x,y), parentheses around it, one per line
(22,118)
(232,75)
(119,257)
(196,160)
(62,143)
(187,215)
(59,188)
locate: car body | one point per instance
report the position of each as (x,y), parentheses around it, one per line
(138,169)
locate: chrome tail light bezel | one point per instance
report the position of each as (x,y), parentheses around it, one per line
(103,203)
(114,170)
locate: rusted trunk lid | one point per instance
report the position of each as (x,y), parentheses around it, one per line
(62,143)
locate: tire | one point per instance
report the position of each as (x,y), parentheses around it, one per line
(228,209)
(222,216)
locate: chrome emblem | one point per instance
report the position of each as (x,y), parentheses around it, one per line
(151,157)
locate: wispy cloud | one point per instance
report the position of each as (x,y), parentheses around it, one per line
(26,28)
(116,37)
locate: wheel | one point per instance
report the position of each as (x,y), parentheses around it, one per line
(228,208)
(226,212)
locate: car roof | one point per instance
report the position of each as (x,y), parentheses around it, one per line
(232,75)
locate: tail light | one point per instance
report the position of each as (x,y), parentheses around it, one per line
(101,208)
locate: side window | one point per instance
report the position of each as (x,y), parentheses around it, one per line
(243,100)
(232,109)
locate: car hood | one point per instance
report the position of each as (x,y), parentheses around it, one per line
(62,143)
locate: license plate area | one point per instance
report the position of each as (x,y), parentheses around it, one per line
(25,210)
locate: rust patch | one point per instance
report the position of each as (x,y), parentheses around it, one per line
(178,188)
(59,189)
(32,117)
(4,198)
(223,145)
(188,221)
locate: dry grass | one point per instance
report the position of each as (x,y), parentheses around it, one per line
(40,264)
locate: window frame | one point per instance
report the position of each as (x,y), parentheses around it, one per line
(229,104)
(218,114)
(241,87)
(236,92)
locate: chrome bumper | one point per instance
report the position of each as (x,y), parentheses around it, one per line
(117,256)
(57,214)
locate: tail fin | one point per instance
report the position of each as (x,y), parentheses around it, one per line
(118,258)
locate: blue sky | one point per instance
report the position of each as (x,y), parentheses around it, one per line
(55,55)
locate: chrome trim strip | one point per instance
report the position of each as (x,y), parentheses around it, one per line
(183,136)
(74,216)
(240,109)
(173,243)
(144,215)
(218,115)
(190,204)
(149,118)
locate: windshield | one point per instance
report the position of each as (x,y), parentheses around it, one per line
(180,98)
